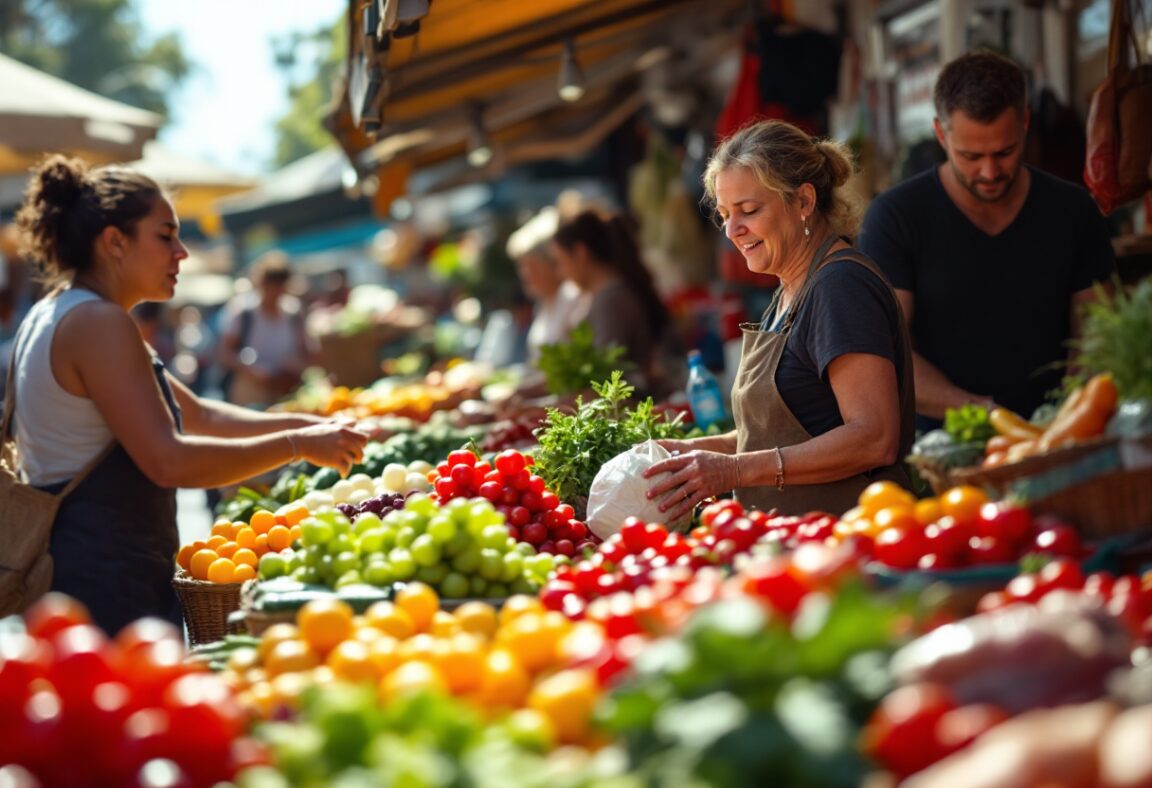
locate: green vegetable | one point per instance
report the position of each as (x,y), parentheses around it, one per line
(940,448)
(1116,333)
(569,366)
(969,424)
(740,698)
(573,447)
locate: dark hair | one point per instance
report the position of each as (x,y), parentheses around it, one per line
(272,266)
(67,205)
(783,158)
(609,239)
(981,85)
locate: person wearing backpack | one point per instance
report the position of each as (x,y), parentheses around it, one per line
(264,347)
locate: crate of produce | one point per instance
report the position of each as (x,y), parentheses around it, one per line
(207,606)
(1103,485)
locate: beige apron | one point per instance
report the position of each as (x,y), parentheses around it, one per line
(764,420)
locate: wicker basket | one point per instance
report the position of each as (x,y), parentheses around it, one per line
(1104,486)
(206,606)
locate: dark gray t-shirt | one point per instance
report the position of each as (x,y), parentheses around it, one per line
(991,312)
(848,310)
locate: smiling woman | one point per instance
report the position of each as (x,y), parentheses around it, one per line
(823,398)
(95,403)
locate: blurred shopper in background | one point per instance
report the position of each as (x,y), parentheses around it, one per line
(598,253)
(91,397)
(264,345)
(557,301)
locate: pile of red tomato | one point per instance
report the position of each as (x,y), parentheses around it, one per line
(1127,597)
(534,514)
(80,709)
(643,554)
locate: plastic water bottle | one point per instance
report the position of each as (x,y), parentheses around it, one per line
(704,396)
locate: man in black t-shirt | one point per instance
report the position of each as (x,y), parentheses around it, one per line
(991,259)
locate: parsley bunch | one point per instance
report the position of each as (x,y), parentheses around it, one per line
(573,447)
(568,366)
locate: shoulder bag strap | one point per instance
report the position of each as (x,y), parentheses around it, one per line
(10,407)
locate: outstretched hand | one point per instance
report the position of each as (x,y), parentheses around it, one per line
(331,444)
(687,479)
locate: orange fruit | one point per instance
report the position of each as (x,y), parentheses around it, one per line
(243,573)
(879,495)
(444,624)
(227,550)
(292,513)
(199,563)
(518,604)
(352,661)
(462,663)
(531,640)
(222,528)
(896,517)
(420,647)
(245,537)
(276,634)
(420,602)
(295,532)
(261,546)
(963,503)
(390,619)
(245,556)
(287,689)
(184,557)
(478,618)
(290,656)
(262,521)
(279,537)
(411,677)
(222,570)
(567,699)
(384,652)
(325,622)
(927,511)
(504,682)
(216,540)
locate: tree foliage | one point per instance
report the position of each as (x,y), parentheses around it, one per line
(96,44)
(312,62)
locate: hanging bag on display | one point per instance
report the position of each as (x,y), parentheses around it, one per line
(26,517)
(1116,168)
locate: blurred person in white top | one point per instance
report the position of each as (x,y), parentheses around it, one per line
(264,345)
(557,300)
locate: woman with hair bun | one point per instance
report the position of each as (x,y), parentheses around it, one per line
(90,393)
(823,399)
(599,254)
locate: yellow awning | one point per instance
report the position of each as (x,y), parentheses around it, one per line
(418,99)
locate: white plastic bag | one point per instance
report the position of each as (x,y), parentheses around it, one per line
(620,491)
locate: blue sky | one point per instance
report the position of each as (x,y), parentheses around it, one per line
(226,110)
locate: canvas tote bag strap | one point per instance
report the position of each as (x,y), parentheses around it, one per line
(10,406)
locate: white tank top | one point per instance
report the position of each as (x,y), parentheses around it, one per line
(57,432)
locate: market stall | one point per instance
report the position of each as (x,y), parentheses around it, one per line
(454,611)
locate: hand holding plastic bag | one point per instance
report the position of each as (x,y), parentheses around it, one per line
(620,491)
